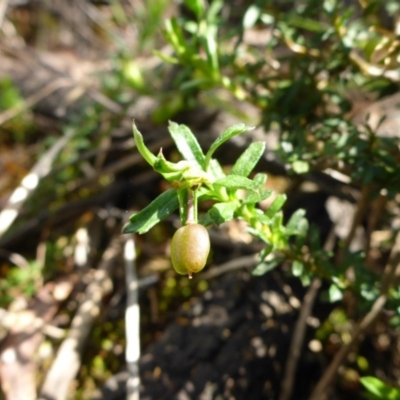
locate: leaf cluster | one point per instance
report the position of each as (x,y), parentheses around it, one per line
(201,174)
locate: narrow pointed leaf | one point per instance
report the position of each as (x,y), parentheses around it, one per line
(216,170)
(276,205)
(175,36)
(186,143)
(211,47)
(237,182)
(229,133)
(160,208)
(265,267)
(197,6)
(143,150)
(254,197)
(297,223)
(222,212)
(166,57)
(248,160)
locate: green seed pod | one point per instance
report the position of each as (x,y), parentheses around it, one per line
(189,249)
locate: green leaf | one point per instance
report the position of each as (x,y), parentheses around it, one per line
(265,267)
(166,57)
(335,294)
(251,16)
(216,170)
(175,36)
(261,179)
(237,182)
(222,212)
(276,205)
(186,143)
(301,167)
(211,47)
(379,389)
(253,197)
(229,133)
(160,208)
(143,150)
(214,9)
(297,223)
(297,268)
(197,6)
(248,160)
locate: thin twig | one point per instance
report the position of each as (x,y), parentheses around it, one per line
(29,184)
(300,329)
(298,339)
(132,321)
(362,206)
(388,280)
(3,9)
(238,263)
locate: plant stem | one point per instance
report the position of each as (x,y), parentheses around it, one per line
(191,208)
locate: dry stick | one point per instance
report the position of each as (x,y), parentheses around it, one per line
(362,206)
(3,9)
(238,263)
(29,184)
(67,362)
(391,271)
(132,321)
(361,210)
(300,329)
(378,206)
(297,340)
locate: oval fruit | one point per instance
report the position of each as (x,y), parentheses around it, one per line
(190,247)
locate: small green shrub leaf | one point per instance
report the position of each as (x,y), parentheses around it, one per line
(237,182)
(297,268)
(229,133)
(248,160)
(174,35)
(335,294)
(251,16)
(222,212)
(380,390)
(186,143)
(297,223)
(265,267)
(160,208)
(254,197)
(197,6)
(301,167)
(216,170)
(143,150)
(212,51)
(276,205)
